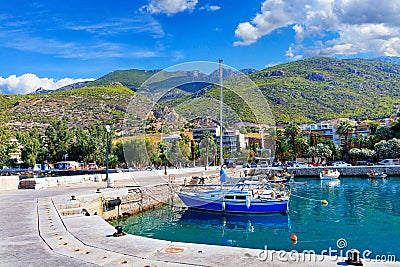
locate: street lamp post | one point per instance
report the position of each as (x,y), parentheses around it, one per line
(109,182)
(165,161)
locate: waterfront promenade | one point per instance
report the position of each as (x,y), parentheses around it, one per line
(35,233)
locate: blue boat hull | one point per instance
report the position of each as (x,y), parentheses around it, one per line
(275,220)
(233,206)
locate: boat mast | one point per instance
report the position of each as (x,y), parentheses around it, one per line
(221,156)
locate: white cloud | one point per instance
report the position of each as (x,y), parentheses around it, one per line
(169,7)
(75,50)
(209,7)
(328,27)
(29,82)
(116,26)
(248,33)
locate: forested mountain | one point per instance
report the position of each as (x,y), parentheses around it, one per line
(323,88)
(301,91)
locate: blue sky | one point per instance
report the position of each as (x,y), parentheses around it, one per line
(52,43)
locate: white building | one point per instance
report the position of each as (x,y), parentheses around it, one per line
(232,140)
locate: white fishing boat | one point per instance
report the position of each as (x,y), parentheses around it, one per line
(237,201)
(329,174)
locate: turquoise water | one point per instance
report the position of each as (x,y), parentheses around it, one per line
(364,212)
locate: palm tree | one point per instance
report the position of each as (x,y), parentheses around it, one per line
(292,132)
(207,138)
(302,144)
(282,151)
(344,130)
(360,141)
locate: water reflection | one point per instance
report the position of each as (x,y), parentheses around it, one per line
(235,222)
(363,211)
(330,183)
(227,220)
(235,229)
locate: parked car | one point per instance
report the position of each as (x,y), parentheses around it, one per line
(364,162)
(301,165)
(389,162)
(253,165)
(275,164)
(341,164)
(246,165)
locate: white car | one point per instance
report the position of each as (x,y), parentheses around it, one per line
(341,164)
(301,165)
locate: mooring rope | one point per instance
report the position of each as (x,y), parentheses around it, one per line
(323,201)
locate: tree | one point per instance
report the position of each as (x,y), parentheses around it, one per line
(373,126)
(361,154)
(359,141)
(118,151)
(388,149)
(208,139)
(293,132)
(194,151)
(59,138)
(302,144)
(383,133)
(33,150)
(6,147)
(334,148)
(311,152)
(344,130)
(152,151)
(283,150)
(135,152)
(395,128)
(80,147)
(323,151)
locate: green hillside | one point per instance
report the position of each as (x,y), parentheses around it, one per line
(317,89)
(302,91)
(129,78)
(79,107)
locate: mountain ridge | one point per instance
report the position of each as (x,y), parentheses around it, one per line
(302,91)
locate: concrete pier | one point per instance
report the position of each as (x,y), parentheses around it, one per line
(9,183)
(361,171)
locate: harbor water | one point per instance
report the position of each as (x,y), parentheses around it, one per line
(362,214)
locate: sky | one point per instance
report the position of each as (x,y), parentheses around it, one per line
(53,43)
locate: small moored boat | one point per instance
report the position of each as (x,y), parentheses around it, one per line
(377,175)
(237,201)
(329,174)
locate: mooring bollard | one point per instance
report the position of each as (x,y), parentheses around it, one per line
(354,258)
(119,231)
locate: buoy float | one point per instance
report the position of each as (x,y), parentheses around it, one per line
(293,237)
(324,202)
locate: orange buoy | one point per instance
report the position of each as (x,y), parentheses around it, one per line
(293,237)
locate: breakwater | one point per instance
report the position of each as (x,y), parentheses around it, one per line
(361,171)
(121,202)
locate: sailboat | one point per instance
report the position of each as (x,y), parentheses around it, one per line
(235,200)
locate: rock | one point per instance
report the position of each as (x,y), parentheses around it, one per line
(316,77)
